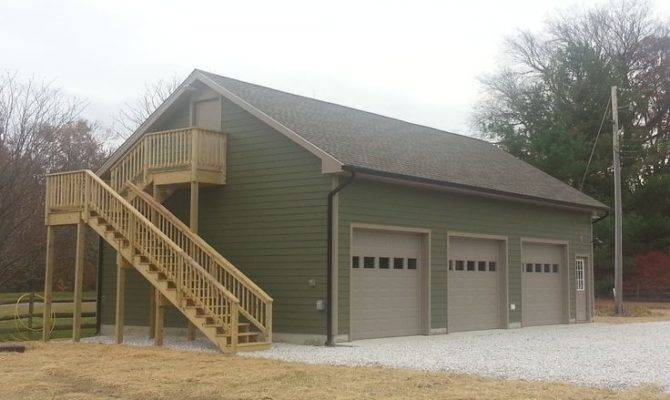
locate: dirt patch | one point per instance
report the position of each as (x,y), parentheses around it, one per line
(90,371)
(634,312)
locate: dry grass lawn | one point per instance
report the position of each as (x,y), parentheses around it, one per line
(634,312)
(93,371)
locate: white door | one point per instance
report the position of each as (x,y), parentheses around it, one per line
(386,269)
(580,288)
(473,292)
(542,284)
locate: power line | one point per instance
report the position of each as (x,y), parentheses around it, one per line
(595,142)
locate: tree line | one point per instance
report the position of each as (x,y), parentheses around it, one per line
(42,131)
(548,104)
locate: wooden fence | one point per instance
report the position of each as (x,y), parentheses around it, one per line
(23,320)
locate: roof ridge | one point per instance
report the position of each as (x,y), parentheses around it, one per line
(438,131)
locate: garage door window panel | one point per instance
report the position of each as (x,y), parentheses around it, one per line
(481,266)
(492,266)
(368,262)
(398,263)
(411,263)
(460,265)
(384,262)
(471,265)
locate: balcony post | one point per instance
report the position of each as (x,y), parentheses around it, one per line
(120,296)
(78,281)
(48,284)
(147,161)
(193,224)
(195,150)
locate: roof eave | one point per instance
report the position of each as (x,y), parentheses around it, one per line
(478,190)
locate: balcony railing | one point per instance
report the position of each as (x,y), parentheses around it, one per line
(188,149)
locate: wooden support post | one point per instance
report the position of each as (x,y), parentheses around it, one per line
(120,297)
(152,289)
(193,215)
(160,310)
(193,224)
(78,281)
(48,284)
(234,326)
(152,312)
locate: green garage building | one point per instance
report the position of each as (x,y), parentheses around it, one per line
(364,226)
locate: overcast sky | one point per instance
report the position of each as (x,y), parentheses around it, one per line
(414,60)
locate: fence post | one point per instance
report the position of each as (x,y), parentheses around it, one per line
(31,309)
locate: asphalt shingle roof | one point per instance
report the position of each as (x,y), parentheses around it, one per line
(371,141)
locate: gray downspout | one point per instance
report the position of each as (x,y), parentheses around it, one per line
(329,262)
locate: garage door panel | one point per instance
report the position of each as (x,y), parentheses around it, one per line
(386,301)
(473,296)
(542,271)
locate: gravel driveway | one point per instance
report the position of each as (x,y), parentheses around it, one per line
(613,356)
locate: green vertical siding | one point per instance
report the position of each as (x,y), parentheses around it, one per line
(270,218)
(387,204)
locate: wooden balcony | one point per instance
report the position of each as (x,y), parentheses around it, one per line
(180,156)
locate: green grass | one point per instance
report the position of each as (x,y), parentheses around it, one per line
(11,298)
(28,336)
(11,331)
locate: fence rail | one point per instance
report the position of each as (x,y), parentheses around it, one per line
(23,320)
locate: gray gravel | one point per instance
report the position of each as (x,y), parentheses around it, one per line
(612,356)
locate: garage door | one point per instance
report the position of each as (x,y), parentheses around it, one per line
(473,295)
(542,284)
(386,272)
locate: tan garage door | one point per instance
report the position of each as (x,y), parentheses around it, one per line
(473,294)
(386,272)
(542,272)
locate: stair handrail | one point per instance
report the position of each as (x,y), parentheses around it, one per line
(260,316)
(86,195)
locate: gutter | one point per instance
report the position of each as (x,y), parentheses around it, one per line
(329,251)
(602,217)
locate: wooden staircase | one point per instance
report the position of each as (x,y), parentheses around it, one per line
(227,307)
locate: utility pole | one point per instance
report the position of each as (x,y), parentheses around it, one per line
(618,253)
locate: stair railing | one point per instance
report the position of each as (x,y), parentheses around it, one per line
(255,304)
(86,191)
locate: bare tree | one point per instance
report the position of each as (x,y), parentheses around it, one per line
(132,115)
(40,132)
